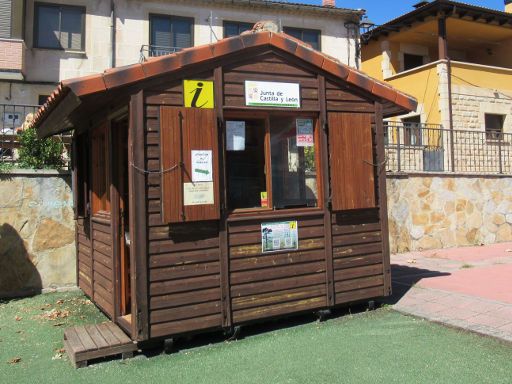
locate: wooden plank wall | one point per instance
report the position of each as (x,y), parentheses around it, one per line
(271,284)
(102,265)
(84,256)
(184,259)
(264,68)
(357,255)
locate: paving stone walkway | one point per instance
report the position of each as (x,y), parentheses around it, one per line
(468,288)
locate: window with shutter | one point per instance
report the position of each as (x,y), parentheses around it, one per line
(168,32)
(5,18)
(234,28)
(351,161)
(309,36)
(183,130)
(59,27)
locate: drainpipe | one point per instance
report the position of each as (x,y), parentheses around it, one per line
(113,27)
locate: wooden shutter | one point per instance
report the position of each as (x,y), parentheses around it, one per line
(350,161)
(181,131)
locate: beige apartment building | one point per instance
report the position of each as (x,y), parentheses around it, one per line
(44,42)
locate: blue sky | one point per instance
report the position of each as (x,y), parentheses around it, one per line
(380,11)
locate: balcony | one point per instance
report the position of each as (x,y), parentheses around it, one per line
(12,59)
(147,51)
(422,148)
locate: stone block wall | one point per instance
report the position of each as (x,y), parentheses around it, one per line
(37,236)
(431,212)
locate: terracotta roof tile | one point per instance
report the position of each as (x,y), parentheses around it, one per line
(359,79)
(310,55)
(336,69)
(284,42)
(117,77)
(255,39)
(227,46)
(153,67)
(85,85)
(157,66)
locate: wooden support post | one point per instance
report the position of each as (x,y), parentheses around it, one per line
(326,187)
(442,40)
(382,196)
(223,227)
(138,218)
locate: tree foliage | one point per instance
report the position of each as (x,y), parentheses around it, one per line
(40,153)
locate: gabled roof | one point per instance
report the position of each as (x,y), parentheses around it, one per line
(68,95)
(450,9)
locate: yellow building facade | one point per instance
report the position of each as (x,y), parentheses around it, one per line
(456,59)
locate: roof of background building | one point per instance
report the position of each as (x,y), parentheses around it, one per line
(287,5)
(451,8)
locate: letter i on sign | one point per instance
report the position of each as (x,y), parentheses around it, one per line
(198,94)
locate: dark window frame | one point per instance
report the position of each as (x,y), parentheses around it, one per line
(192,21)
(412,131)
(412,55)
(491,133)
(302,30)
(318,147)
(251,25)
(38,4)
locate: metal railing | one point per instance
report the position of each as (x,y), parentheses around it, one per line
(156,50)
(13,119)
(413,148)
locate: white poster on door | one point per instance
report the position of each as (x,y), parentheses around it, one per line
(305,136)
(202,169)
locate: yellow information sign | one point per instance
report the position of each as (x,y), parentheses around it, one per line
(198,93)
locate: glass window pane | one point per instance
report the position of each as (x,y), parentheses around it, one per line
(182,33)
(71,28)
(246,169)
(230,29)
(160,31)
(47,27)
(312,38)
(295,32)
(294,177)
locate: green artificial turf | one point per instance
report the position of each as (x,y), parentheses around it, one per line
(374,347)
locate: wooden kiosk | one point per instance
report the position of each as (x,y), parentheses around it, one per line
(227,184)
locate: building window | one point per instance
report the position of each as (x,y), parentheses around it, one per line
(5,18)
(169,34)
(412,130)
(309,36)
(59,27)
(271,170)
(385,128)
(234,28)
(494,126)
(41,99)
(412,61)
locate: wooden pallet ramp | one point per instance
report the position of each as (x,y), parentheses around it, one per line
(96,341)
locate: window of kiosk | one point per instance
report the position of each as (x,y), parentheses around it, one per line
(271,163)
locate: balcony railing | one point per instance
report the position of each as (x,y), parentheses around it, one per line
(413,148)
(13,119)
(156,50)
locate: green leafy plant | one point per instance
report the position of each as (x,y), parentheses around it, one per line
(39,153)
(5,167)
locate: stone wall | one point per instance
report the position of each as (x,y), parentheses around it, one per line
(37,238)
(431,212)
